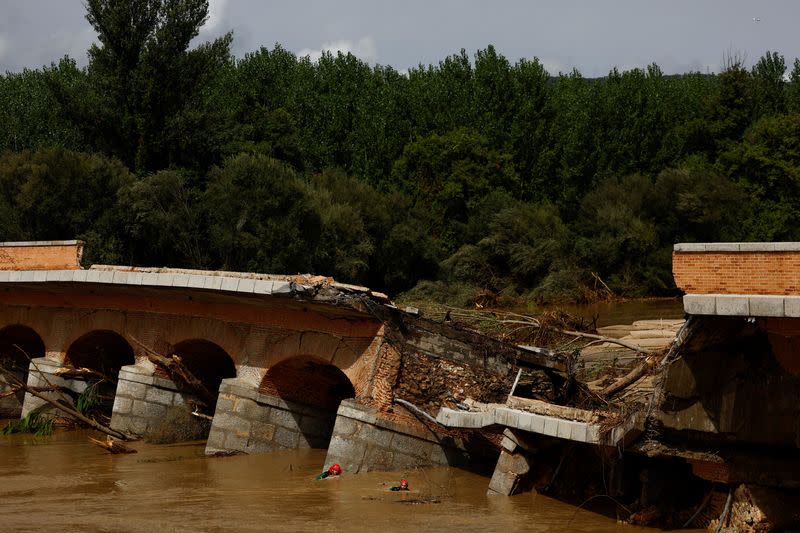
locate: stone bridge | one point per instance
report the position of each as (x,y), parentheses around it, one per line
(282,356)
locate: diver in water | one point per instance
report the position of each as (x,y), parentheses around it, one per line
(334,470)
(403,486)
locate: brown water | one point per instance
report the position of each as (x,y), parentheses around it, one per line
(62,483)
(625,312)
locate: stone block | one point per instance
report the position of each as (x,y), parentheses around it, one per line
(766,306)
(180,280)
(378,458)
(564,429)
(216,439)
(120,278)
(732,305)
(689,247)
(122,405)
(537,423)
(345,426)
(578,432)
(147,410)
(262,431)
(348,453)
(229,422)
(195,281)
(249,409)
(212,282)
(284,419)
(40,276)
(160,396)
(312,426)
(286,438)
(402,461)
(235,442)
(700,304)
(412,446)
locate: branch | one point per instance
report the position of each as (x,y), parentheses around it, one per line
(598,338)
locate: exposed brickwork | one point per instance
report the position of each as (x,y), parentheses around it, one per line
(776,273)
(719,472)
(65,256)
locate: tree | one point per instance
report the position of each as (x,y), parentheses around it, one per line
(143,98)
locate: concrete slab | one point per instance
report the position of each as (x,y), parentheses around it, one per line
(700,304)
(767,306)
(732,305)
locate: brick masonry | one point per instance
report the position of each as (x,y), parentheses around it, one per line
(363,440)
(41,255)
(143,400)
(248,421)
(738,268)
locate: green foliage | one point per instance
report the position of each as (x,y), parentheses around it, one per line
(37,424)
(474,174)
(88,400)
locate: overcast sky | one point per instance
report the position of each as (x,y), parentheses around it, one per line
(591,35)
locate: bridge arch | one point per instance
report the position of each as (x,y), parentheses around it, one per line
(308,380)
(16,362)
(103,350)
(208,361)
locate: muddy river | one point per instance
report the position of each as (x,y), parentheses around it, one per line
(62,483)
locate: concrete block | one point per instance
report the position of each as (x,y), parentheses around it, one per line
(786,246)
(196,281)
(537,423)
(246,285)
(165,279)
(230,284)
(690,247)
(281,287)
(723,246)
(180,280)
(791,306)
(578,432)
(525,422)
(512,419)
(25,276)
(700,304)
(757,246)
(79,276)
(262,287)
(766,306)
(149,278)
(52,275)
(40,276)
(119,278)
(67,275)
(135,278)
(732,305)
(564,429)
(5,275)
(212,282)
(550,426)
(105,276)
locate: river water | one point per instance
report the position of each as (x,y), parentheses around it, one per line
(63,483)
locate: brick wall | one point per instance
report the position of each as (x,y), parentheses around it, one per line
(764,271)
(41,255)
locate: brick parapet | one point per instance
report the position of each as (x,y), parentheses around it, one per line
(41,255)
(737,268)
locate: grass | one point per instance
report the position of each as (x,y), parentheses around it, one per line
(35,423)
(88,400)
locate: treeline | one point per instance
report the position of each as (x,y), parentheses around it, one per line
(476,175)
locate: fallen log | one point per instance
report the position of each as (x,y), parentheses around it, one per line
(70,411)
(111,445)
(634,375)
(14,389)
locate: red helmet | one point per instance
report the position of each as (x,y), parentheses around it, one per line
(404,483)
(335,469)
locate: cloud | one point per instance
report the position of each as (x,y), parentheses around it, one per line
(3,48)
(363,49)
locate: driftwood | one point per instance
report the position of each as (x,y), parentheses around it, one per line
(559,411)
(111,445)
(179,373)
(16,388)
(68,410)
(646,366)
(71,372)
(533,323)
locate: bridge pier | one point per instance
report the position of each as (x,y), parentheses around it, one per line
(249,421)
(151,406)
(364,440)
(42,374)
(513,466)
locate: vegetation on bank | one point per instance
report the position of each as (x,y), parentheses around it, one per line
(472,178)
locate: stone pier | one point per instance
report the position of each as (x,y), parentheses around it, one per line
(11,405)
(362,440)
(248,421)
(513,465)
(144,402)
(42,374)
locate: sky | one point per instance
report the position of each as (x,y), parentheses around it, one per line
(590,35)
